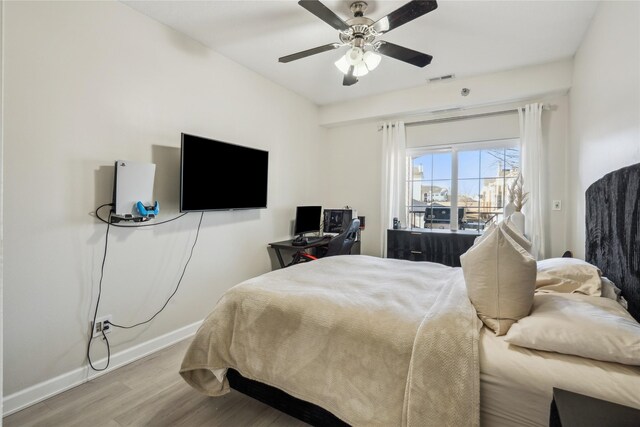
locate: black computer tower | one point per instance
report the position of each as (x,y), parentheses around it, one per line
(337,220)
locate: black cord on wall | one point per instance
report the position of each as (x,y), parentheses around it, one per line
(104,258)
(184,270)
(95,313)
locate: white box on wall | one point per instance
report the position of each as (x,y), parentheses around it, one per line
(133,183)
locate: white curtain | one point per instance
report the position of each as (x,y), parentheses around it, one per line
(394,160)
(534,172)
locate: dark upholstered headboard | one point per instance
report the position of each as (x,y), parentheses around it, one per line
(613,231)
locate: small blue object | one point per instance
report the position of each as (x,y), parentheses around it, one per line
(148,211)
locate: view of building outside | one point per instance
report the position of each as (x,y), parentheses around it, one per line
(483,178)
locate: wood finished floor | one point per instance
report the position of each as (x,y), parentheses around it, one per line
(148,392)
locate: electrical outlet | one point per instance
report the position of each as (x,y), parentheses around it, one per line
(103,324)
(557,205)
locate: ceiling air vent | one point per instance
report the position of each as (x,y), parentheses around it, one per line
(442,78)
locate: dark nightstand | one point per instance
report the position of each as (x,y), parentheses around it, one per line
(570,409)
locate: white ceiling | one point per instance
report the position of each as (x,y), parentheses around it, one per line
(464,37)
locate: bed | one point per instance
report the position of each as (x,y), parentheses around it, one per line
(412,363)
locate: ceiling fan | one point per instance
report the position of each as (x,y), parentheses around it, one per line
(360,34)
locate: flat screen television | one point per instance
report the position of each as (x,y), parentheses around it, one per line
(216,175)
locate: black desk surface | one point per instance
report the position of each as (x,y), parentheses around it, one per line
(288,244)
(575,410)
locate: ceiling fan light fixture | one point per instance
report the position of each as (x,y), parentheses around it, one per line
(360,69)
(371,59)
(361,61)
(354,55)
(342,64)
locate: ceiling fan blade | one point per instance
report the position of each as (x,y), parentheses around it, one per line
(309,52)
(407,55)
(410,11)
(324,13)
(349,79)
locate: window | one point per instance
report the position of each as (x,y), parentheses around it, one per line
(465,184)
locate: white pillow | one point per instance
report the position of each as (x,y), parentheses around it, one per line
(510,229)
(610,290)
(596,328)
(500,277)
(516,235)
(485,233)
(568,275)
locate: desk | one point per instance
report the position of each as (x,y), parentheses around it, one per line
(287,244)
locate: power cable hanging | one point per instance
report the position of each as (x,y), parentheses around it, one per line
(104,259)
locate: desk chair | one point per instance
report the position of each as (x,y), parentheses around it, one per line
(339,245)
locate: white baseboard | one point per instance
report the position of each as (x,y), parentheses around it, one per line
(39,392)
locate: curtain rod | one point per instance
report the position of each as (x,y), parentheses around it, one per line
(468,116)
(465,117)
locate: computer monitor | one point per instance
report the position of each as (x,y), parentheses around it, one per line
(307,219)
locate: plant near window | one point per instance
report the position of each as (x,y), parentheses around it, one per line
(517,195)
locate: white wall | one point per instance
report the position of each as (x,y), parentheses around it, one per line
(354,149)
(87,83)
(605,105)
(352,161)
(472,129)
(1,206)
(486,90)
(555,133)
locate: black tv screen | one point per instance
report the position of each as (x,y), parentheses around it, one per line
(216,175)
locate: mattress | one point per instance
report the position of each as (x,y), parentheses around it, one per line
(516,384)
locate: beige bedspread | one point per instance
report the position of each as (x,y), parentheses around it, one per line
(377,342)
